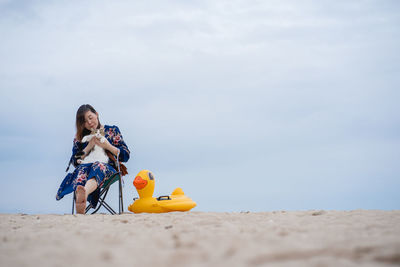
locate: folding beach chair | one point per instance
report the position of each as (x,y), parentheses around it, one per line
(102,196)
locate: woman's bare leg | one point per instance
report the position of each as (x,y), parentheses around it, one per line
(90,186)
(80,199)
(82,194)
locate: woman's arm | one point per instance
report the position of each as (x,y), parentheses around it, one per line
(77,146)
(124,152)
(118,146)
(89,147)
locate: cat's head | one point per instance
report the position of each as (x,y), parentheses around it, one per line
(98,132)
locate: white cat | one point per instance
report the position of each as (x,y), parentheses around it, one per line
(97,153)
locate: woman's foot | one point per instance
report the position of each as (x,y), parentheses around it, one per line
(80,194)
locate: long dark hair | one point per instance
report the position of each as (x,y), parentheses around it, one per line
(81,131)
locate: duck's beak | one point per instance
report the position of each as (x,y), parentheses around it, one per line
(139,183)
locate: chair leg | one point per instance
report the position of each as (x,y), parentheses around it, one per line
(121,203)
(88,208)
(107,207)
(103,203)
(101,200)
(73,203)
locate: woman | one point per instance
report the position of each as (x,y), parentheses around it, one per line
(88,177)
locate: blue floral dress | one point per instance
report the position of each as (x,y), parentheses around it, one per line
(98,170)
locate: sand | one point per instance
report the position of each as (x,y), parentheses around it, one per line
(295,238)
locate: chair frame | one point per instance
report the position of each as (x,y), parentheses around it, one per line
(103,193)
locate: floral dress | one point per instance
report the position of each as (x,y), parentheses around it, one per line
(98,170)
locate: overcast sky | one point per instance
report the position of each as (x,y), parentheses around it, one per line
(246,105)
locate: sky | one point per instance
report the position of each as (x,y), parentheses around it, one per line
(245,105)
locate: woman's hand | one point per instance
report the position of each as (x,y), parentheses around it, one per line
(89,146)
(106,145)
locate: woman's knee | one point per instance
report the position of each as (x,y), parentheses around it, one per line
(91,184)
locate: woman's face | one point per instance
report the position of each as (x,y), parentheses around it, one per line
(91,121)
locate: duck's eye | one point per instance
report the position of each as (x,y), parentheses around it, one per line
(151,176)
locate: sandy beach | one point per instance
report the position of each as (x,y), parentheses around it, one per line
(279,238)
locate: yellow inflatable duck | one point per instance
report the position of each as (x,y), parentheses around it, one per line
(144,183)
